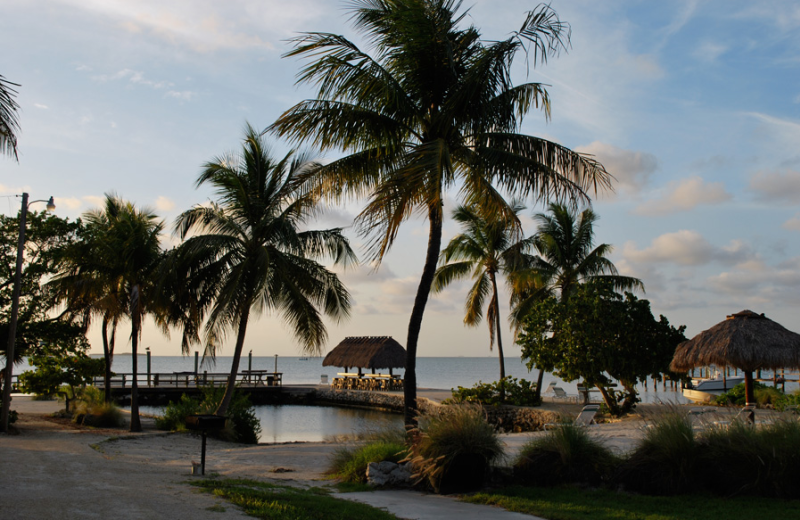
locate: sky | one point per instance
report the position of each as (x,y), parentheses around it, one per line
(693,106)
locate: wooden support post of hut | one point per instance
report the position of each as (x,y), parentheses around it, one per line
(372,352)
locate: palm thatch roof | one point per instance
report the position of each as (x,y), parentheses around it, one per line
(745,340)
(367,352)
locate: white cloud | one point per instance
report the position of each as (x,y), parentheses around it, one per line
(686,247)
(183,95)
(775,187)
(164,204)
(133,76)
(761,283)
(94,202)
(68,202)
(685,195)
(710,51)
(40,106)
(793,224)
(631,169)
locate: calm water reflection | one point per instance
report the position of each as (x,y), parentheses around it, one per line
(295,423)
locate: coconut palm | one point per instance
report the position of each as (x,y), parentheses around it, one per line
(432,109)
(247,252)
(9,124)
(566,258)
(111,274)
(486,248)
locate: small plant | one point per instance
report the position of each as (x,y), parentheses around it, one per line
(350,464)
(92,410)
(242,425)
(765,395)
(518,392)
(566,454)
(453,450)
(666,460)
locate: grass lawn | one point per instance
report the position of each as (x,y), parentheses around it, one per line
(275,502)
(576,503)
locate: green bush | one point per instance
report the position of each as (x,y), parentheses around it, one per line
(765,395)
(517,392)
(565,455)
(666,460)
(92,410)
(452,450)
(242,425)
(763,460)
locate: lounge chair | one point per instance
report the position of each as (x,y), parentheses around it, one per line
(583,420)
(559,393)
(746,415)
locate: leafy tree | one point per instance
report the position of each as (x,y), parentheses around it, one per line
(600,336)
(113,274)
(567,257)
(9,124)
(485,248)
(432,108)
(46,236)
(58,365)
(246,252)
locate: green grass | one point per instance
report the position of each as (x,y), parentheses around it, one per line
(275,502)
(583,504)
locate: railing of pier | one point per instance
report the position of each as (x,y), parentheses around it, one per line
(176,380)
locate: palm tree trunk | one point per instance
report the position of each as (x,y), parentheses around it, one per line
(222,409)
(496,326)
(136,423)
(107,356)
(415,323)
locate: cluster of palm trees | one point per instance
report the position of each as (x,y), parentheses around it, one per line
(428,110)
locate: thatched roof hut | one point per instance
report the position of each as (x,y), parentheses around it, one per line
(745,340)
(372,352)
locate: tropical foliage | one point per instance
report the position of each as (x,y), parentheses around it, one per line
(9,124)
(486,248)
(430,108)
(509,390)
(247,251)
(599,336)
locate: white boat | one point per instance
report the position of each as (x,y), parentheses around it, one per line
(707,390)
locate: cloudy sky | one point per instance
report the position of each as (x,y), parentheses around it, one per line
(693,106)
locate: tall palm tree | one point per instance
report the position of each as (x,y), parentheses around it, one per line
(487,246)
(566,258)
(432,109)
(9,124)
(247,251)
(112,274)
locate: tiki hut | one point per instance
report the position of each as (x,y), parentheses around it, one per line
(373,352)
(745,340)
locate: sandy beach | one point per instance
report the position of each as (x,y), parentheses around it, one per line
(54,469)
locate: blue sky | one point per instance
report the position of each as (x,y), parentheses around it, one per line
(693,106)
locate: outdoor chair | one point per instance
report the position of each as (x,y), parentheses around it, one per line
(559,393)
(746,415)
(584,419)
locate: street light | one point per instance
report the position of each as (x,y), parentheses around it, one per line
(12,326)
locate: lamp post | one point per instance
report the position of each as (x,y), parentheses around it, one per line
(12,326)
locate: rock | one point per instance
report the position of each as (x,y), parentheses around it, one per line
(387,473)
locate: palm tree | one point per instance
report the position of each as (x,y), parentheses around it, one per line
(433,110)
(247,252)
(485,248)
(566,258)
(112,274)
(9,124)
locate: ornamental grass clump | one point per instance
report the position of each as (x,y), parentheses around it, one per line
(349,464)
(666,461)
(753,460)
(92,410)
(453,450)
(565,455)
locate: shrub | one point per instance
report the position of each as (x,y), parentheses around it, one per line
(764,460)
(452,450)
(350,464)
(566,454)
(517,392)
(666,460)
(242,425)
(92,410)
(764,395)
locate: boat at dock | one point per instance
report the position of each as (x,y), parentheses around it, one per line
(707,390)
